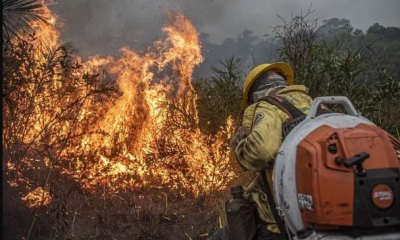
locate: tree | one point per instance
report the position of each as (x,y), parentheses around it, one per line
(19,15)
(334,27)
(333,66)
(384,33)
(250,48)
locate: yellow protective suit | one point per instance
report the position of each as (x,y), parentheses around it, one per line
(262,123)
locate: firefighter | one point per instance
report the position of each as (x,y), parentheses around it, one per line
(258,139)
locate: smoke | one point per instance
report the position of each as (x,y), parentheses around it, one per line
(102,27)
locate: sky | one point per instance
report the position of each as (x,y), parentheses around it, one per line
(102,27)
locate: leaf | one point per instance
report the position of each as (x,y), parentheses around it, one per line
(187,235)
(19,15)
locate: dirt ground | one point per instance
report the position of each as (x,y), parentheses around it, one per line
(77,214)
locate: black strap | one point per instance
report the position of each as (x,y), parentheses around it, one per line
(292,111)
(295,117)
(283,105)
(272,205)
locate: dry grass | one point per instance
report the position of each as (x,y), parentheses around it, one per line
(75,214)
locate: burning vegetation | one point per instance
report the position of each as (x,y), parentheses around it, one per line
(117,146)
(118,123)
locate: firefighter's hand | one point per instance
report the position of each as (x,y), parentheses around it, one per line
(239,135)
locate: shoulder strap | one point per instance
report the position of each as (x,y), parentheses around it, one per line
(289,108)
(278,220)
(284,106)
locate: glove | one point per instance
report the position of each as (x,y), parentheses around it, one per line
(239,135)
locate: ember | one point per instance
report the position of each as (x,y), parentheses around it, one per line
(35,197)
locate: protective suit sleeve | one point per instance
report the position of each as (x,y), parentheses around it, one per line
(264,137)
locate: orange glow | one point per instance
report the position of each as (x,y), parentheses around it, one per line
(34,198)
(140,140)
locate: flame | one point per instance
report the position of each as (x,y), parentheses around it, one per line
(35,197)
(149,136)
(47,34)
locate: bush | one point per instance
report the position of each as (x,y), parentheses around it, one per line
(220,96)
(42,96)
(334,67)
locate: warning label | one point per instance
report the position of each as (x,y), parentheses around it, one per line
(305,201)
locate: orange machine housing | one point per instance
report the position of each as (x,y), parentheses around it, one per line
(340,196)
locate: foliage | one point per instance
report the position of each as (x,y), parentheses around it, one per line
(32,120)
(220,96)
(330,59)
(387,42)
(250,48)
(19,16)
(334,67)
(43,98)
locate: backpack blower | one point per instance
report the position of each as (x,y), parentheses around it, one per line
(336,176)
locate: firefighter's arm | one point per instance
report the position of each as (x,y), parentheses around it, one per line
(263,127)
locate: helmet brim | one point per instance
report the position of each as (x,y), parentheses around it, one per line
(279,67)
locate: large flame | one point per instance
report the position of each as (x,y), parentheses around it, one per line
(149,136)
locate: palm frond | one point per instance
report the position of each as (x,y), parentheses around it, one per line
(19,15)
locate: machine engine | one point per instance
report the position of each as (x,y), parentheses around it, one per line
(336,176)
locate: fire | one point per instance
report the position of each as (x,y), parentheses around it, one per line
(147,137)
(48,35)
(35,198)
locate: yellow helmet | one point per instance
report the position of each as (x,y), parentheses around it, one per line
(279,67)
